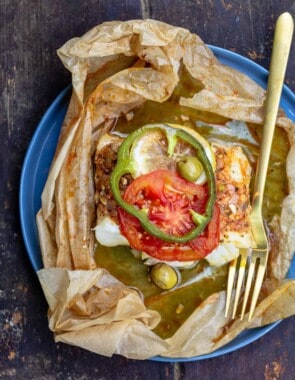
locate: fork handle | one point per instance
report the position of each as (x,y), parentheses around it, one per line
(278,64)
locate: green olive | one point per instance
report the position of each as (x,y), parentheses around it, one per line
(164,276)
(190,168)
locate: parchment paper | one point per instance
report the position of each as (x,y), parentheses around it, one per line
(116,67)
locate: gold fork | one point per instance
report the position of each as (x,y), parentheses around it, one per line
(258,255)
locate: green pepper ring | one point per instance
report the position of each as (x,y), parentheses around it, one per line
(125,166)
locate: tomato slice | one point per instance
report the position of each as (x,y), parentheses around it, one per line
(168,200)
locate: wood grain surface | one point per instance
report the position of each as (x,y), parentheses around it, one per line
(31,77)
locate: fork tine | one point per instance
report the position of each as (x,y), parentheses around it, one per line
(241,274)
(257,286)
(230,283)
(248,285)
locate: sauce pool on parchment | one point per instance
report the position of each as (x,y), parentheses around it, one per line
(176,306)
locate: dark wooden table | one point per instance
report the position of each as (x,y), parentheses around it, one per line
(31,77)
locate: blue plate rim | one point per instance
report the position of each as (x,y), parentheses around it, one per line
(226,57)
(25,168)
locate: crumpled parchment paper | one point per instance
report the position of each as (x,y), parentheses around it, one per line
(116,67)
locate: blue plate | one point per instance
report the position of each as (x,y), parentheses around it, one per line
(40,153)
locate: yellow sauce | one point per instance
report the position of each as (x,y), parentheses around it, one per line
(174,305)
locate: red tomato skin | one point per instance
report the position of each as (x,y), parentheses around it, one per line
(154,185)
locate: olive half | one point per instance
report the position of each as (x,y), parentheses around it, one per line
(164,276)
(190,168)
